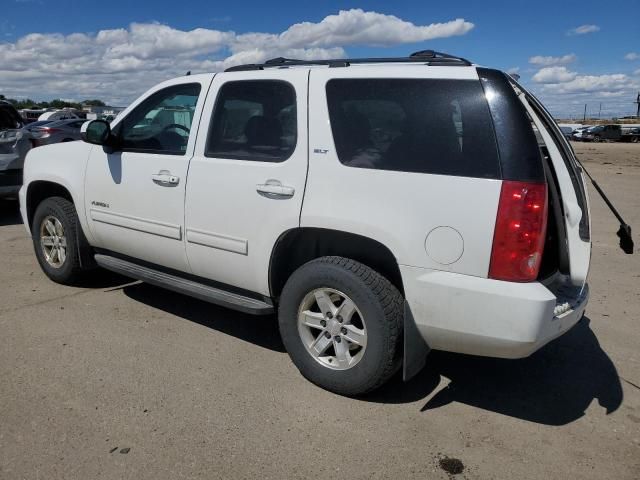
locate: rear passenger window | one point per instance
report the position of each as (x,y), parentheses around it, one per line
(413,125)
(254,120)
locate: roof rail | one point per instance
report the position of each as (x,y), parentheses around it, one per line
(428,57)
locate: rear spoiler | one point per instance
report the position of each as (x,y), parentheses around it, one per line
(624,232)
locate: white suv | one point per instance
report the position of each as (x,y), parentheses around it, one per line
(383,207)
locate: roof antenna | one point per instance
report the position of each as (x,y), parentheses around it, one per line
(188,73)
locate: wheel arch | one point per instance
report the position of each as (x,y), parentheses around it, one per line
(39,190)
(298,246)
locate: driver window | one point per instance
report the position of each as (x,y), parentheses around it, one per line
(162,122)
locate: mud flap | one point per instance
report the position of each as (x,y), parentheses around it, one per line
(415,347)
(85,253)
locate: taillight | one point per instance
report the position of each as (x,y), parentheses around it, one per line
(43,132)
(519,236)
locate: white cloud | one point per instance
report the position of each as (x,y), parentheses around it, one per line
(119,64)
(513,70)
(357,27)
(565,92)
(550,61)
(584,29)
(632,56)
(554,75)
(593,83)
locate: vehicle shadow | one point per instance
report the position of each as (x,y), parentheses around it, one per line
(257,329)
(554,386)
(9,213)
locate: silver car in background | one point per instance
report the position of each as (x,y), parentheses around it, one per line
(56,132)
(14,145)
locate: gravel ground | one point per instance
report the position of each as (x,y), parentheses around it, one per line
(124,380)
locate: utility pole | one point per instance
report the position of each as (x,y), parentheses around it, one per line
(600,111)
(584,119)
(638,103)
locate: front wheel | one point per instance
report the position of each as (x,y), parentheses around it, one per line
(55,240)
(341,323)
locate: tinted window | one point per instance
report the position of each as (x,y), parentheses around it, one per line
(424,126)
(254,120)
(162,122)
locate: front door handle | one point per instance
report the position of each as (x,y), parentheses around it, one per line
(165,179)
(275,189)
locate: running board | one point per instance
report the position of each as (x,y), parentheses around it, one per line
(184,286)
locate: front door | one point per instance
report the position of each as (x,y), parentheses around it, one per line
(247,177)
(135,196)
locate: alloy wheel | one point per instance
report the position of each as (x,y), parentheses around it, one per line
(332,328)
(53,241)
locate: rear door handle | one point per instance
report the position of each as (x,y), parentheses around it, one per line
(275,189)
(165,179)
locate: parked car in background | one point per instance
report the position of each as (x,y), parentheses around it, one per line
(58,115)
(631,135)
(14,145)
(567,132)
(603,133)
(57,132)
(39,123)
(579,132)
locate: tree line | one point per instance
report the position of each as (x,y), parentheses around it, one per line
(56,103)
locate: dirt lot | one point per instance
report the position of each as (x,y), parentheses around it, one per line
(189,390)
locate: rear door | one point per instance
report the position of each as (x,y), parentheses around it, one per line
(247,177)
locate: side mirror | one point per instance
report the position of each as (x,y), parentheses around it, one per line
(97,132)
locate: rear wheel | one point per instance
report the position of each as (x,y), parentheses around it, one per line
(634,139)
(55,240)
(341,323)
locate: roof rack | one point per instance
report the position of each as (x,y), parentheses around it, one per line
(428,57)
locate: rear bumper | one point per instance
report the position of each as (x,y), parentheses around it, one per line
(479,316)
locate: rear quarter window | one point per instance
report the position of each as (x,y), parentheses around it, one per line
(413,125)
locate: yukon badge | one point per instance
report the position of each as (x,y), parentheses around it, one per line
(99,204)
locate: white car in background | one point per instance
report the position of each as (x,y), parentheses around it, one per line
(579,132)
(58,115)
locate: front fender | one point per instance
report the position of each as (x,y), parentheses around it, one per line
(63,164)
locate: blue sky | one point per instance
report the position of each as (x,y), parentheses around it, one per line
(79,60)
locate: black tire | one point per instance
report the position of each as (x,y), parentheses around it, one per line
(70,271)
(381,305)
